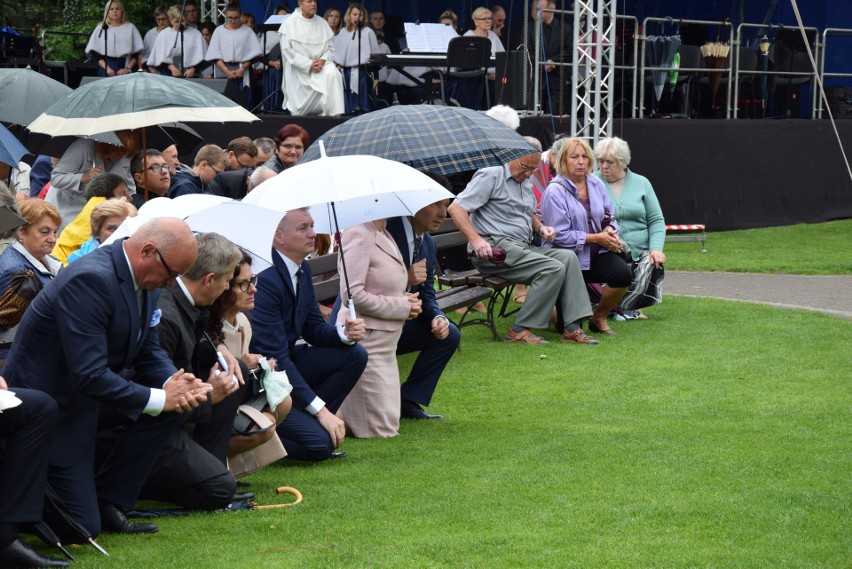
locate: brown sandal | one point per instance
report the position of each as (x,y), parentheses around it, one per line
(523,337)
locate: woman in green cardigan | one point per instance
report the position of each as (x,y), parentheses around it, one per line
(636,206)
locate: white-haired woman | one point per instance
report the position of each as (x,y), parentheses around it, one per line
(637,209)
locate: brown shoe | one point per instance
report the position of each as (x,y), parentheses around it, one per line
(523,337)
(578,337)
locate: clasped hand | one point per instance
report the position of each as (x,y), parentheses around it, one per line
(416,305)
(185,392)
(417,273)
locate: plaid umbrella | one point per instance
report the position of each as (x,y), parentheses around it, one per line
(444,140)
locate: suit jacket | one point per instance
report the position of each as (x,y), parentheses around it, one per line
(377,278)
(83,328)
(180,328)
(427,251)
(277,325)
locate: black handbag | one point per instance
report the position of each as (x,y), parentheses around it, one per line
(647,286)
(22,289)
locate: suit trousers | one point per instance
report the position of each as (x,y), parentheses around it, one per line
(27,430)
(554,278)
(331,372)
(430,363)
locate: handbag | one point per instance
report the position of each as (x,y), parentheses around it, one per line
(22,289)
(262,455)
(646,289)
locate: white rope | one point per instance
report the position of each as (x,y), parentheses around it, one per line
(819,83)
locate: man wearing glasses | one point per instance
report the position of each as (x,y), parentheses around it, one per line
(209,161)
(153,176)
(99,318)
(497,209)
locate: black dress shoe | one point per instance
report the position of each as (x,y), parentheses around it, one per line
(243,497)
(113,520)
(411,410)
(241,484)
(19,554)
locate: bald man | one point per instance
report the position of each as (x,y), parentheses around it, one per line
(97,318)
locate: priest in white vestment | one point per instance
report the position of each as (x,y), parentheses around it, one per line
(312,83)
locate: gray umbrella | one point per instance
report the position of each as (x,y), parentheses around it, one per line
(659,52)
(444,140)
(26,94)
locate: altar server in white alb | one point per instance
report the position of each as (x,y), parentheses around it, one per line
(116,43)
(233,48)
(312,83)
(165,57)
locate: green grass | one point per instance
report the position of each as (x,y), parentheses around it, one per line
(714,434)
(808,249)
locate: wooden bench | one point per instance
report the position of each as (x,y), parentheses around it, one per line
(689,232)
(326,283)
(497,290)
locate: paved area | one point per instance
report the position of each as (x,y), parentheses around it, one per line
(829,294)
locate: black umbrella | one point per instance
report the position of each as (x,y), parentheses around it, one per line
(47,535)
(57,518)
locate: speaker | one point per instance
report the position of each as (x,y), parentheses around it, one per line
(509,86)
(224,86)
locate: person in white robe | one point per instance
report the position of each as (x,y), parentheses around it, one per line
(232,49)
(353,51)
(161,16)
(116,43)
(312,83)
(166,58)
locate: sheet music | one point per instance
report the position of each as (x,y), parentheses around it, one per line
(8,400)
(428,38)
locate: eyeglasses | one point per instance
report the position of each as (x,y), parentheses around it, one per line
(526,168)
(244,285)
(157,168)
(485,18)
(209,165)
(172,275)
(289,147)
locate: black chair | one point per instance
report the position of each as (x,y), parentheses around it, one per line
(690,58)
(468,57)
(787,88)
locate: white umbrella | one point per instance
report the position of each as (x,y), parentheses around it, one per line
(355,189)
(342,191)
(248,226)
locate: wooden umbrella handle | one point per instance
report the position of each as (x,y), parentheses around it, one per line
(281,490)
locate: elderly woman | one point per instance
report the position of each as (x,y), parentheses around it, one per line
(106,217)
(177,52)
(577,206)
(161,17)
(482,28)
(378,279)
(351,52)
(229,325)
(116,43)
(640,219)
(31,252)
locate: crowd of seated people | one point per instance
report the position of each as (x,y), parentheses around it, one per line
(119,340)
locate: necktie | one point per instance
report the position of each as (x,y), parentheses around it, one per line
(298,291)
(418,240)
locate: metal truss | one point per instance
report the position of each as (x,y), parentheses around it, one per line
(593,72)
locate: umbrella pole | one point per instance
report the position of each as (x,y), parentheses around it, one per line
(342,258)
(145,157)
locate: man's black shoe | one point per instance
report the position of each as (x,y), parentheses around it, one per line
(113,520)
(19,554)
(241,484)
(243,497)
(411,410)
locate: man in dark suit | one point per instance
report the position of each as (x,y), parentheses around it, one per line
(324,370)
(95,319)
(191,470)
(431,333)
(27,431)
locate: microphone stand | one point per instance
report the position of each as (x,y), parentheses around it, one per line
(357,108)
(181,28)
(105,30)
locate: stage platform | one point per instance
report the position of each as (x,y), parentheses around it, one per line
(725,174)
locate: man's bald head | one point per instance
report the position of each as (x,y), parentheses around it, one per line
(160,250)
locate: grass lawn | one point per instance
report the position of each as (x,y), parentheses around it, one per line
(714,434)
(808,249)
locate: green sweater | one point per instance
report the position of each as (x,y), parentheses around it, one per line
(639,216)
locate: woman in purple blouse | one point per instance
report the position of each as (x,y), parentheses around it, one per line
(577,206)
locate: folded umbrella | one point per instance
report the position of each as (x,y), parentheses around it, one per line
(63,523)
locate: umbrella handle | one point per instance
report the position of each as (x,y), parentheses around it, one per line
(281,490)
(352,314)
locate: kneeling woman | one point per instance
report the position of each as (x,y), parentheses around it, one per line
(377,280)
(577,206)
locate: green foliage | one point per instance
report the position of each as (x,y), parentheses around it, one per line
(681,442)
(809,249)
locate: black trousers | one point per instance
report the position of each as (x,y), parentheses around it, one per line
(610,269)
